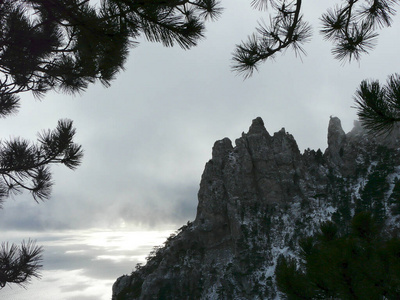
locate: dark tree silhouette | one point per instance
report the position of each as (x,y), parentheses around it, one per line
(379,106)
(25,166)
(352,27)
(286,28)
(19,264)
(361,265)
(65,45)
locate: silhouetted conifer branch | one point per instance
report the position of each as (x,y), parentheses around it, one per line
(19,264)
(379,106)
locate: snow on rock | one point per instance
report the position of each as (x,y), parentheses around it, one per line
(256,200)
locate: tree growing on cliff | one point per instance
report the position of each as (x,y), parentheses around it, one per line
(361,265)
(67,45)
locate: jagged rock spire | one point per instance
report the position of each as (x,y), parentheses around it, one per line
(256,200)
(257,126)
(336,141)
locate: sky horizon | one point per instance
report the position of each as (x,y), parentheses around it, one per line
(147,138)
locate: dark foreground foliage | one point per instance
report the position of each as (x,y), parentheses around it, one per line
(364,264)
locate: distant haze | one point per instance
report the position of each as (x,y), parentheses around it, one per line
(148,136)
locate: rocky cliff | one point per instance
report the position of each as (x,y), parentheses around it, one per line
(256,200)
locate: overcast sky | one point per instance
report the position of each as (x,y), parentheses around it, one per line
(148,136)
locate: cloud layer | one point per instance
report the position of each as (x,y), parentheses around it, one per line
(148,136)
(83,264)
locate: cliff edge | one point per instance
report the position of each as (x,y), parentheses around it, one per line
(256,199)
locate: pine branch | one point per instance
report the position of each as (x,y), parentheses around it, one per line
(379,107)
(19,264)
(68,45)
(352,28)
(21,161)
(286,29)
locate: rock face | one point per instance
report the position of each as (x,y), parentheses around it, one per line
(256,200)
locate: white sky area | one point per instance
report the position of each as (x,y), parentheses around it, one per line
(148,136)
(83,265)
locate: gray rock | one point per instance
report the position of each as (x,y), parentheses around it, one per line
(336,141)
(256,200)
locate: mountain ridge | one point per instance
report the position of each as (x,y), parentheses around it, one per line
(256,199)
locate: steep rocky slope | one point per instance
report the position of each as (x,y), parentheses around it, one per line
(256,200)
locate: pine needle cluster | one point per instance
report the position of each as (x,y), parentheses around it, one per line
(361,265)
(19,264)
(378,107)
(352,27)
(285,29)
(25,166)
(67,45)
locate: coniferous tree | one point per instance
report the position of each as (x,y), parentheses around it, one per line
(19,264)
(373,194)
(361,265)
(25,166)
(379,106)
(65,45)
(352,27)
(68,44)
(394,198)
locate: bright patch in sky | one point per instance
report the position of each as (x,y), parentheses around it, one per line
(147,137)
(83,265)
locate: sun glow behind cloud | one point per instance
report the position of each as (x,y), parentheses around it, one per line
(84,264)
(148,136)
